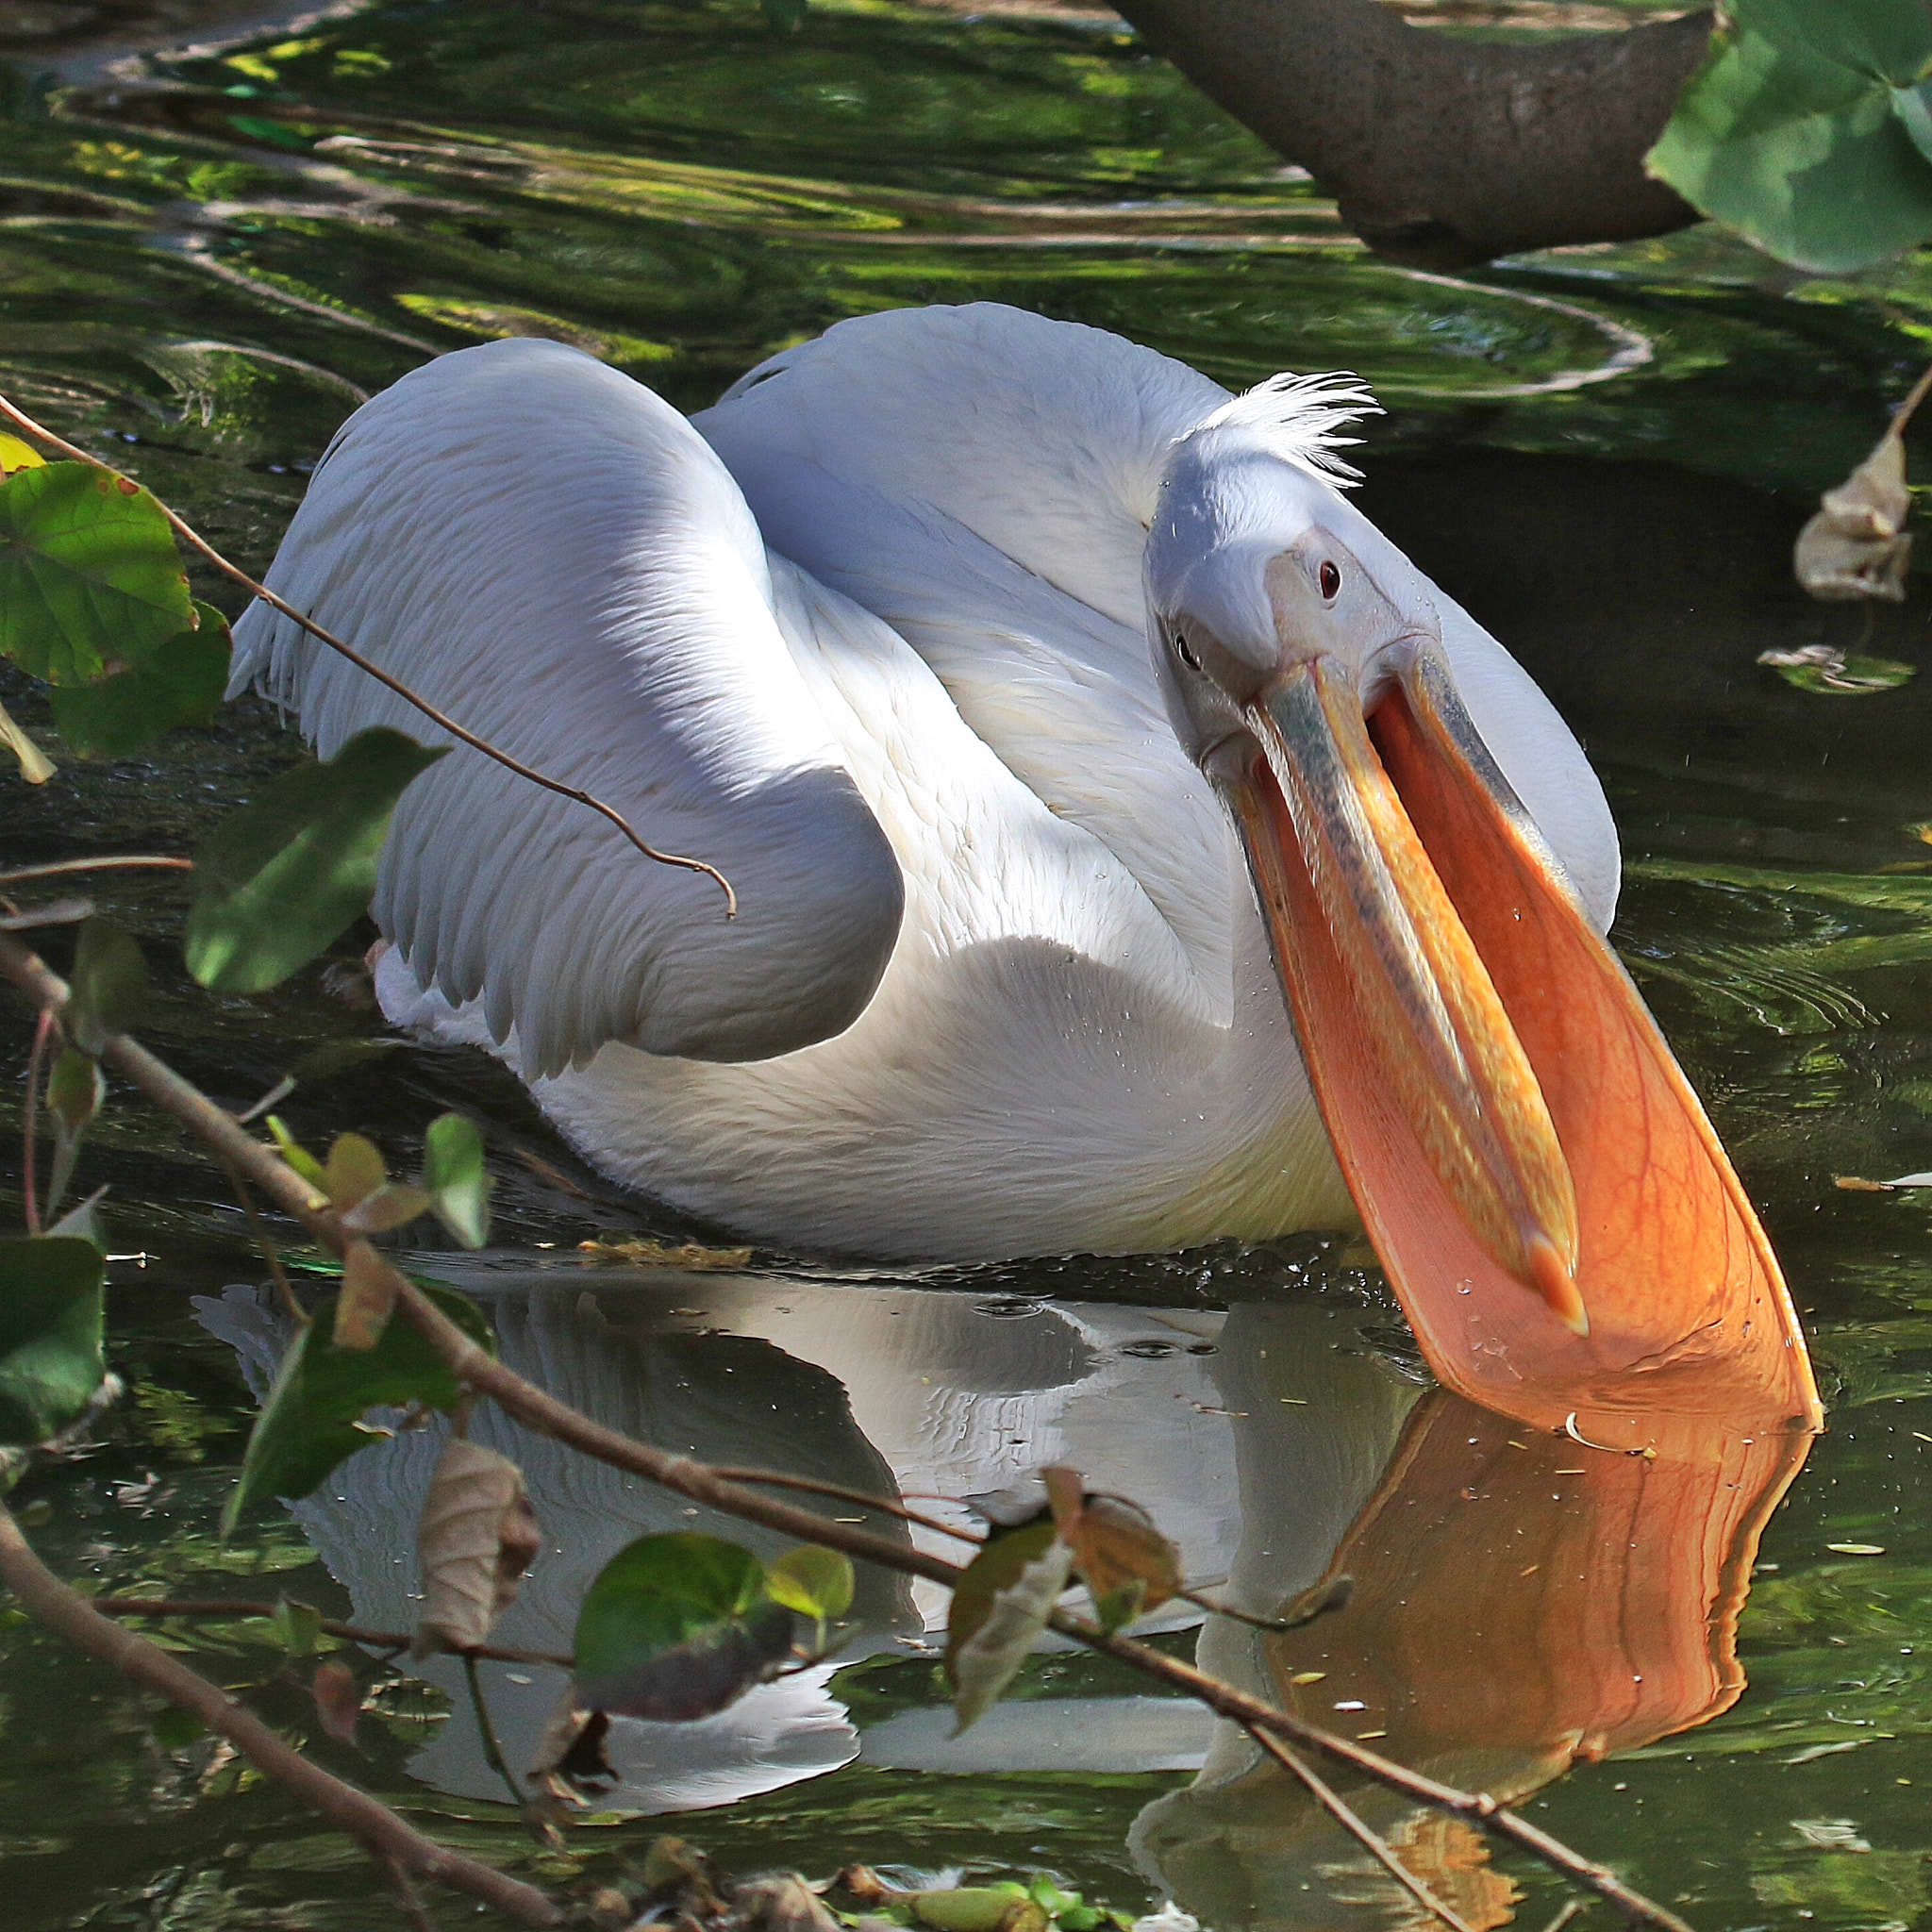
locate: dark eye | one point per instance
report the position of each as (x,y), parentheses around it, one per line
(1185,652)
(1331,580)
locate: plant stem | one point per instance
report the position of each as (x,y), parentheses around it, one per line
(535,1408)
(43,1025)
(236,1608)
(21,874)
(1377,1846)
(776,1480)
(1902,414)
(269,1251)
(68,1615)
(235,575)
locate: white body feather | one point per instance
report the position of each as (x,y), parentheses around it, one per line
(1064,1030)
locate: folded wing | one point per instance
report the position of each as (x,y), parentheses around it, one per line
(549,554)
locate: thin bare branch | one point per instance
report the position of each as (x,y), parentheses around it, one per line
(236,574)
(409,1902)
(776,1480)
(1570,1908)
(270,1252)
(535,1408)
(238,1609)
(21,874)
(68,1615)
(1377,1845)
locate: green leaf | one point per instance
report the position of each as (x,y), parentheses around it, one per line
(455,1178)
(298,1157)
(181,684)
(988,1661)
(50,1335)
(90,577)
(812,1580)
(355,1169)
(285,875)
(1798,130)
(676,1628)
(307,1424)
(1004,1554)
(74,1091)
(108,986)
(295,1627)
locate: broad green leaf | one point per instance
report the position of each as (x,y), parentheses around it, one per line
(307,1424)
(108,986)
(90,577)
(988,1661)
(295,1627)
(282,877)
(74,1091)
(812,1580)
(50,1335)
(1797,129)
(455,1178)
(1004,1556)
(677,1627)
(355,1168)
(181,684)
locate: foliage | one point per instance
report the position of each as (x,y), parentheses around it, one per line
(322,1389)
(51,1365)
(1808,128)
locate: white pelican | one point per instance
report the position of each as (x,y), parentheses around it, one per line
(978,649)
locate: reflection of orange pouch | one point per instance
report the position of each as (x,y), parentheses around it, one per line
(1522,1600)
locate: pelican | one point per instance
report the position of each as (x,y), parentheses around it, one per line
(1132,847)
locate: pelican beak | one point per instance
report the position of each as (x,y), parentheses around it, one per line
(1547,1198)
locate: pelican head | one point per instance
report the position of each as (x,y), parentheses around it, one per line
(1548,1199)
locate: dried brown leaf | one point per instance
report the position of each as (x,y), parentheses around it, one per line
(1856,546)
(337,1699)
(367,1299)
(477,1536)
(1115,1543)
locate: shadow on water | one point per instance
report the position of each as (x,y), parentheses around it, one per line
(1603,453)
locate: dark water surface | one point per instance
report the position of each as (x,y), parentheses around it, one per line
(1603,452)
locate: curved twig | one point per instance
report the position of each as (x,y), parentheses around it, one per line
(236,574)
(21,874)
(776,1480)
(538,1409)
(69,1615)
(229,1608)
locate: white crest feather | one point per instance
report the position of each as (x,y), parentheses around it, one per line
(1296,418)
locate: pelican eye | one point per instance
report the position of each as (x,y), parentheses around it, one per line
(1185,652)
(1331,580)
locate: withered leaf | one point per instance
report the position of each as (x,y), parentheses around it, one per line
(1856,546)
(368,1297)
(1116,1546)
(988,1661)
(337,1699)
(477,1536)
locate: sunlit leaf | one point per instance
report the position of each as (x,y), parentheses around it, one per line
(1797,129)
(281,878)
(50,1335)
(812,1580)
(16,454)
(477,1536)
(182,683)
(107,987)
(455,1178)
(36,767)
(677,1627)
(977,1908)
(307,1424)
(298,1157)
(90,577)
(988,1661)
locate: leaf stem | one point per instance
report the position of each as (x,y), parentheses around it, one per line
(269,1254)
(540,1829)
(236,574)
(68,1615)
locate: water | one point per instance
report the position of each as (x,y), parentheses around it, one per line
(1605,453)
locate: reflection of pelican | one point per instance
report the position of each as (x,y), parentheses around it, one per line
(998,984)
(1274,1444)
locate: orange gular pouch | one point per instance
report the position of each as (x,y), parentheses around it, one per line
(1524,1152)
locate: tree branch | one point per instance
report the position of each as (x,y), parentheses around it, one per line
(70,1615)
(535,1408)
(1441,151)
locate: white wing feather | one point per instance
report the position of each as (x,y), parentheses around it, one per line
(549,554)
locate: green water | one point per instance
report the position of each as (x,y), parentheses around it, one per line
(206,267)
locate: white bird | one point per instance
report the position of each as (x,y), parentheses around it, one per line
(977,651)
